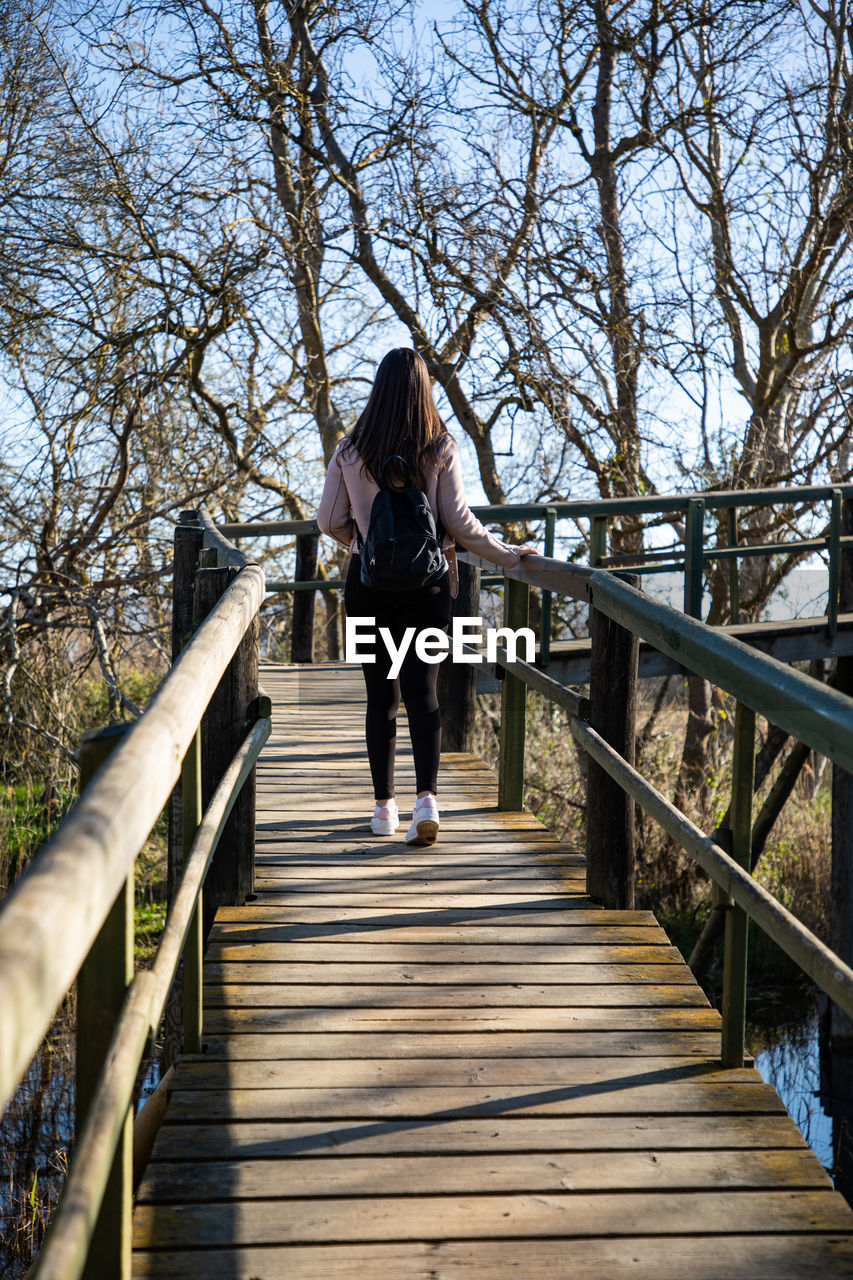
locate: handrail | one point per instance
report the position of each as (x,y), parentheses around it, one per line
(690,561)
(809,710)
(500,513)
(821,964)
(215,539)
(69,914)
(801,705)
(63,1255)
(53,914)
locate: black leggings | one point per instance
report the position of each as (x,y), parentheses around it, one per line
(396,610)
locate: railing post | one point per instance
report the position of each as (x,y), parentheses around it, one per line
(545,626)
(597,539)
(102,986)
(229,715)
(841,916)
(837,1064)
(242,674)
(302,616)
(457,681)
(694,545)
(611,837)
(737,921)
(187,548)
(193,945)
(216,752)
(513,706)
(833,586)
(734,575)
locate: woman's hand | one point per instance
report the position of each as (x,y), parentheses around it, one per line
(525,550)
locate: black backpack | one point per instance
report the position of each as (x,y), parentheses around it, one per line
(402,549)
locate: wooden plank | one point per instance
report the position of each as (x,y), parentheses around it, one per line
(471,1174)
(594,1074)
(414,882)
(679,1097)
(491,1217)
(438,972)
(435,1044)
(458,829)
(343,812)
(285,859)
(338,903)
(732,1257)
(469,953)
(332,994)
(542,879)
(280,1139)
(256,934)
(537,911)
(467,862)
(365,1015)
(459,832)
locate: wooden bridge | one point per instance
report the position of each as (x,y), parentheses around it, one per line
(426,1063)
(448,1062)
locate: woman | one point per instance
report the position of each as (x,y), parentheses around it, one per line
(401,421)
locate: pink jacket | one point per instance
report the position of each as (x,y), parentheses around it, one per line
(348,497)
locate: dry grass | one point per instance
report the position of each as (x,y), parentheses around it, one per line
(35,1136)
(37,1127)
(795,865)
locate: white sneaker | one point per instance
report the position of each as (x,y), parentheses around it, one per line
(425,823)
(388,825)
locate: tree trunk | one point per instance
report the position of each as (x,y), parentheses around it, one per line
(699,737)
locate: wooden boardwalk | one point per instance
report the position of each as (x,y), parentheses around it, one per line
(447,1064)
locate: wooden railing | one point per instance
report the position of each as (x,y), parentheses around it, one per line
(603,727)
(598,514)
(72,912)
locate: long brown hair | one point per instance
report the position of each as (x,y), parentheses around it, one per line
(400,418)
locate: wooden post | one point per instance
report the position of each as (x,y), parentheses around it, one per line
(545,624)
(188,543)
(694,563)
(302,618)
(734,576)
(513,707)
(834,585)
(243,676)
(224,725)
(597,539)
(194,943)
(457,681)
(737,921)
(102,986)
(611,837)
(841,921)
